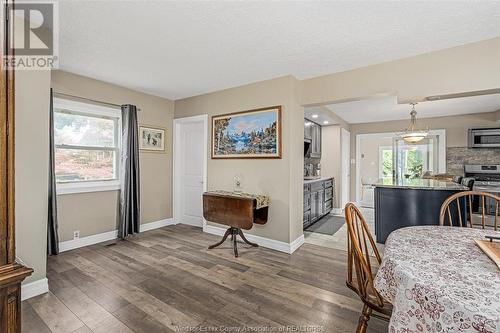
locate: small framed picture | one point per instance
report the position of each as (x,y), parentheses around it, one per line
(151,139)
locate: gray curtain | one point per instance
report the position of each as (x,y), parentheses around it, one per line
(52,236)
(128,223)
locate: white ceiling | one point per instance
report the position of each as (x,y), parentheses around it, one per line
(320,115)
(178,49)
(387,108)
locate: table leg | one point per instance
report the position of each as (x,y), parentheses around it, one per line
(228,231)
(245,239)
(235,244)
(234,232)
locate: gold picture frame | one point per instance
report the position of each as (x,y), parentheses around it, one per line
(247,134)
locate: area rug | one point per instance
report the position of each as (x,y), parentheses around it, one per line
(327,225)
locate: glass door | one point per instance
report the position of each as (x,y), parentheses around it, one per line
(415,160)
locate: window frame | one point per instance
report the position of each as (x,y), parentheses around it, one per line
(99,111)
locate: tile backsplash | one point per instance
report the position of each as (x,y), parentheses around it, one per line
(457,157)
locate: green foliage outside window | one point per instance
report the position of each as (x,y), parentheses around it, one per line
(386,163)
(411,159)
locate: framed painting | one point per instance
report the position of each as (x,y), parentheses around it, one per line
(247,134)
(152,139)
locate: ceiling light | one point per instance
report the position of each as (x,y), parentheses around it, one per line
(314,116)
(412,134)
(326,122)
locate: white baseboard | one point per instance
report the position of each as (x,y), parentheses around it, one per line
(86,241)
(262,241)
(34,288)
(296,244)
(110,235)
(337,211)
(156,224)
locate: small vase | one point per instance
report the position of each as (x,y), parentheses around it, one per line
(237,183)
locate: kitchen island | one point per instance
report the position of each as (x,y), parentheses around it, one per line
(403,203)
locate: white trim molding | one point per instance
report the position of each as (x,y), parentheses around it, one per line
(156,224)
(176,157)
(35,288)
(85,187)
(262,241)
(110,235)
(337,211)
(296,244)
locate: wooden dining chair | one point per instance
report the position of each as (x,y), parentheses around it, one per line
(360,275)
(457,179)
(457,210)
(468,182)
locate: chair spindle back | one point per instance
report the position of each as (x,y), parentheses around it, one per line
(458,209)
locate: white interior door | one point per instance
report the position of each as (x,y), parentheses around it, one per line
(345,143)
(190,170)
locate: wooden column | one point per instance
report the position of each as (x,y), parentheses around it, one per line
(11,273)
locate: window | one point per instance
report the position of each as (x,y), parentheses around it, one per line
(87,147)
(385,162)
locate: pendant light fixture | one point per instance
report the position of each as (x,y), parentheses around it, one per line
(413,135)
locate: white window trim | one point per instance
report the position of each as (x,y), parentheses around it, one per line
(91,186)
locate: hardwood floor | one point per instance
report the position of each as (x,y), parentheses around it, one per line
(165,280)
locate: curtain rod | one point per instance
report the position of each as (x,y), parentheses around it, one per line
(88,99)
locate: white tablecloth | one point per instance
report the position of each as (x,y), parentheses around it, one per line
(438,280)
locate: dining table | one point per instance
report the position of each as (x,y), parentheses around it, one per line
(438,280)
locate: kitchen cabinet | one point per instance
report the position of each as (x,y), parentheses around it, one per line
(307,129)
(318,200)
(312,131)
(315,141)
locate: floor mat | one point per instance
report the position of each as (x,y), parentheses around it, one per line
(327,225)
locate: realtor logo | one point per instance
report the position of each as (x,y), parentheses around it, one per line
(33,35)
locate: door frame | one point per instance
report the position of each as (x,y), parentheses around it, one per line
(178,122)
(441,133)
(345,168)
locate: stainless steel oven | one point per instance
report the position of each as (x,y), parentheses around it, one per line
(487,179)
(484,138)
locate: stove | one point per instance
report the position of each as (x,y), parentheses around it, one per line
(487,179)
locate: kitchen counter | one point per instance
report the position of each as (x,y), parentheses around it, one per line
(420,184)
(309,181)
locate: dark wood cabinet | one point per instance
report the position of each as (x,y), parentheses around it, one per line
(11,273)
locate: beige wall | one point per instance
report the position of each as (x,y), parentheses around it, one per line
(32,93)
(93,213)
(456,131)
(281,179)
(464,68)
(369,167)
(470,67)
